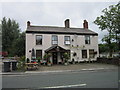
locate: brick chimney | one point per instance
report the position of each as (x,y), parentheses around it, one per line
(67,24)
(85,24)
(28,23)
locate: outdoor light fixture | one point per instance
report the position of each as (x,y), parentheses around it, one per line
(57,48)
(72,40)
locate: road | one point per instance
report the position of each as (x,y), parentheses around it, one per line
(81,79)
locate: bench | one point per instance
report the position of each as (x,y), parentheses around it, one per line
(31,66)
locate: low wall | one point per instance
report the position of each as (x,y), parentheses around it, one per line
(115,61)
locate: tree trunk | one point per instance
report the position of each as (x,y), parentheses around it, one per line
(109,44)
(110,53)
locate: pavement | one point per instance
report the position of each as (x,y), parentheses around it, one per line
(63,68)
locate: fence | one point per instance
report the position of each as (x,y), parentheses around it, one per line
(115,61)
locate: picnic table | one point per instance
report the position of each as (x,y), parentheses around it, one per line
(31,66)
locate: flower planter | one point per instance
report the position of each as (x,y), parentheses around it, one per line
(73,63)
(49,64)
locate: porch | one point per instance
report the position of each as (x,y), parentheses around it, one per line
(56,54)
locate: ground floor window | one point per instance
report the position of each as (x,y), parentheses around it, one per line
(39,54)
(84,53)
(91,53)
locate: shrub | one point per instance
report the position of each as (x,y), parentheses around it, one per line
(38,58)
(21,64)
(66,57)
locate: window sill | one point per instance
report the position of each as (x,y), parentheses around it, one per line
(54,44)
(91,58)
(67,44)
(39,45)
(87,44)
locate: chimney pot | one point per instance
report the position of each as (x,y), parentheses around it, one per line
(67,24)
(85,24)
(28,23)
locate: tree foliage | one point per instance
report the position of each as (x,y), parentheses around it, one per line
(19,45)
(13,41)
(110,21)
(104,47)
(66,56)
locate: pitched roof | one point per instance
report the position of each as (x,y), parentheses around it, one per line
(55,48)
(59,30)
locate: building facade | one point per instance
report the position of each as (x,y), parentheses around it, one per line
(80,43)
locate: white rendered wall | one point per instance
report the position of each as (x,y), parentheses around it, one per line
(78,40)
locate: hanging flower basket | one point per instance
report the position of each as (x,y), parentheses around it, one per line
(74,54)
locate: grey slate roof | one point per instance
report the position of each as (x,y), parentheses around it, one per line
(54,47)
(53,29)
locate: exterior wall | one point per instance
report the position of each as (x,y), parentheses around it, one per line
(78,40)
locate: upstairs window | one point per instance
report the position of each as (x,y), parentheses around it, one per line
(54,39)
(67,40)
(39,40)
(87,39)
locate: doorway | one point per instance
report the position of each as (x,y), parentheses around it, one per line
(54,57)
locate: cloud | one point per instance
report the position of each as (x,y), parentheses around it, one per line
(54,13)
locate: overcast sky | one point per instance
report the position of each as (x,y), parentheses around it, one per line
(54,13)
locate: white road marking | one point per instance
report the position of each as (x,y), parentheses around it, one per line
(66,86)
(94,69)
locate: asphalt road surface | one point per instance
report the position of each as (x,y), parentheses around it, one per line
(81,79)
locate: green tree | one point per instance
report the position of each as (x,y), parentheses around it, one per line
(13,41)
(110,21)
(19,45)
(104,47)
(116,22)
(10,31)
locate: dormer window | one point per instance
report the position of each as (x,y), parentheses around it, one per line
(67,40)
